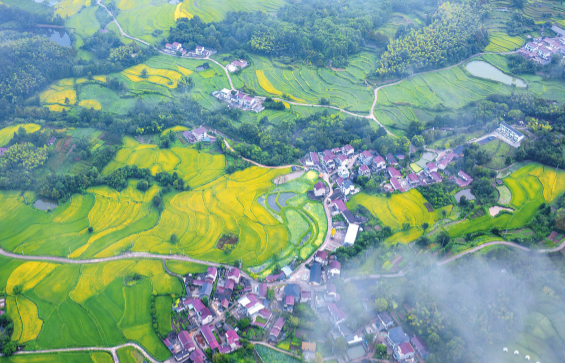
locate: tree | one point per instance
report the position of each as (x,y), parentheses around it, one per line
(443,239)
(319,358)
(340,345)
(381,304)
(423,241)
(90,229)
(455,349)
(243,324)
(508,161)
(270,294)
(18,289)
(174,238)
(144,73)
(205,300)
(142,185)
(157,201)
(9,348)
(381,351)
(425,226)
(418,140)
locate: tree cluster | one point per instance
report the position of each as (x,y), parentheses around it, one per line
(439,194)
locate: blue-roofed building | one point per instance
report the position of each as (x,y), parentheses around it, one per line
(205,290)
(315,274)
(396,336)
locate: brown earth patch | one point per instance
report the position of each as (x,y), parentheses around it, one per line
(429,207)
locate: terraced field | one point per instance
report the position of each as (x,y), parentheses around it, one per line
(500,41)
(217,204)
(399,209)
(193,167)
(345,89)
(530,187)
(7,133)
(85,305)
(95,357)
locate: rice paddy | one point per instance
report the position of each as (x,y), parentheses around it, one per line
(7,133)
(529,187)
(87,305)
(303,84)
(398,210)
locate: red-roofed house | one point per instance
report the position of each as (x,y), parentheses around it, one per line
(169,46)
(347,150)
(442,164)
(379,163)
(321,256)
(319,189)
(251,304)
(289,303)
(263,290)
(176,46)
(209,336)
(420,347)
(341,159)
(413,179)
(335,268)
(305,296)
(403,352)
(225,303)
(396,184)
(314,158)
(337,315)
(338,207)
(199,50)
(431,166)
(234,275)
(205,316)
(364,170)
(233,339)
(274,277)
(276,330)
(394,174)
(331,290)
(435,176)
(186,341)
(200,133)
(230,284)
(197,356)
(328,162)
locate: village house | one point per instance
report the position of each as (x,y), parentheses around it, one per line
(206,290)
(396,336)
(319,189)
(315,274)
(186,341)
(445,160)
(211,274)
(198,356)
(386,320)
(379,163)
(366,158)
(544,52)
(232,340)
(391,159)
(265,315)
(345,186)
(347,150)
(263,290)
(321,257)
(200,50)
(199,134)
(463,179)
(336,314)
(413,180)
(209,337)
(176,46)
(328,162)
(237,65)
(338,207)
(341,160)
(404,352)
(314,158)
(292,290)
(364,171)
(531,47)
(343,172)
(393,173)
(234,275)
(435,177)
(420,347)
(289,303)
(335,268)
(276,330)
(305,296)
(430,167)
(250,304)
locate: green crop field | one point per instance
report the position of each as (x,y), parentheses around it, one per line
(401,208)
(500,41)
(452,88)
(86,305)
(163,305)
(94,357)
(345,89)
(84,23)
(184,268)
(130,354)
(217,204)
(530,187)
(498,151)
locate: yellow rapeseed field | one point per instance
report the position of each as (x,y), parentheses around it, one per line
(266,84)
(90,104)
(181,12)
(28,275)
(100,78)
(31,323)
(184,71)
(7,133)
(163,77)
(67,8)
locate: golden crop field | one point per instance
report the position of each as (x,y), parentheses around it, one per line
(165,77)
(90,104)
(7,133)
(181,12)
(66,8)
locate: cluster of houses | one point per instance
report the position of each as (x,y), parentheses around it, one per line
(239,99)
(540,49)
(198,52)
(237,65)
(197,135)
(329,160)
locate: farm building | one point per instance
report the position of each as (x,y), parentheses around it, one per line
(396,184)
(321,257)
(403,352)
(351,234)
(463,179)
(234,274)
(198,356)
(276,330)
(237,65)
(336,314)
(250,304)
(335,268)
(413,180)
(342,160)
(442,164)
(509,132)
(430,167)
(199,134)
(420,347)
(435,176)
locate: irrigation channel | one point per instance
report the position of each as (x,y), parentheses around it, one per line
(371,114)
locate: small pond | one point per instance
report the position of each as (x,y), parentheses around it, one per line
(486,70)
(272,200)
(58,35)
(45,204)
(284,197)
(465,192)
